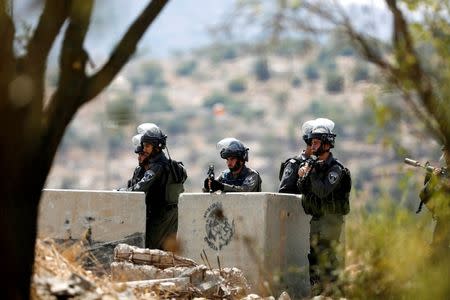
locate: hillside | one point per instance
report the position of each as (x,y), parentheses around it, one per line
(198,98)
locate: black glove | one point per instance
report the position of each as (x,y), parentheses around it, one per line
(205,185)
(216,185)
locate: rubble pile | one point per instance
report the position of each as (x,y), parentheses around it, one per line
(59,274)
(148,268)
(135,274)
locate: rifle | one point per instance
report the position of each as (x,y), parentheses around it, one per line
(441,172)
(429,168)
(210,174)
(311,161)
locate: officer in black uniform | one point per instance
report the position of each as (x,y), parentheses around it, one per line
(325,186)
(436,197)
(289,169)
(161,218)
(238,177)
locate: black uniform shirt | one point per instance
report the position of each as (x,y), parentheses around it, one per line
(248,180)
(288,182)
(153,182)
(321,189)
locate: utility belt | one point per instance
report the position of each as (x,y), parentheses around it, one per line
(318,207)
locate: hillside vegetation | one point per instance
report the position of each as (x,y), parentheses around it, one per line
(200,97)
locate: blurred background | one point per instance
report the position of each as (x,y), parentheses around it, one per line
(200,82)
(256,70)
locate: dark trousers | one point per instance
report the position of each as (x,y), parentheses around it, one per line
(323,259)
(160,227)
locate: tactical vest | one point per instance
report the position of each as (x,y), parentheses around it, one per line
(177,175)
(297,161)
(338,202)
(228,179)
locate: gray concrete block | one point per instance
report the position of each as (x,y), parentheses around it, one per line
(103,218)
(264,234)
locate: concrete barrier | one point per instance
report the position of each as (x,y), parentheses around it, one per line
(264,234)
(103,218)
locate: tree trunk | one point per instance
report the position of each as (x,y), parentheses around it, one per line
(19,225)
(30,133)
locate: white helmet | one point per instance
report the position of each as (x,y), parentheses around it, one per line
(323,130)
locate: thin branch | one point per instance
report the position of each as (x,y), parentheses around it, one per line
(413,72)
(366,49)
(402,38)
(392,73)
(50,23)
(429,122)
(124,50)
(35,61)
(276,22)
(397,75)
(70,92)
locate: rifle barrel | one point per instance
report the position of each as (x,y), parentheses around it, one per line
(412,162)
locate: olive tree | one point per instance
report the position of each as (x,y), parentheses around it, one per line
(33,125)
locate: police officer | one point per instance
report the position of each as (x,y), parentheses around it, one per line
(435,195)
(289,169)
(238,177)
(161,218)
(325,186)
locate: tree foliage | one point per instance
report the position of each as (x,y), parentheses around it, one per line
(420,76)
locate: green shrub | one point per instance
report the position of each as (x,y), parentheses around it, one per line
(253,113)
(177,124)
(158,102)
(312,72)
(261,69)
(326,54)
(186,68)
(237,85)
(330,65)
(318,107)
(334,82)
(337,112)
(229,53)
(281,98)
(120,111)
(289,47)
(296,81)
(150,73)
(388,256)
(360,73)
(220,53)
(216,97)
(346,51)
